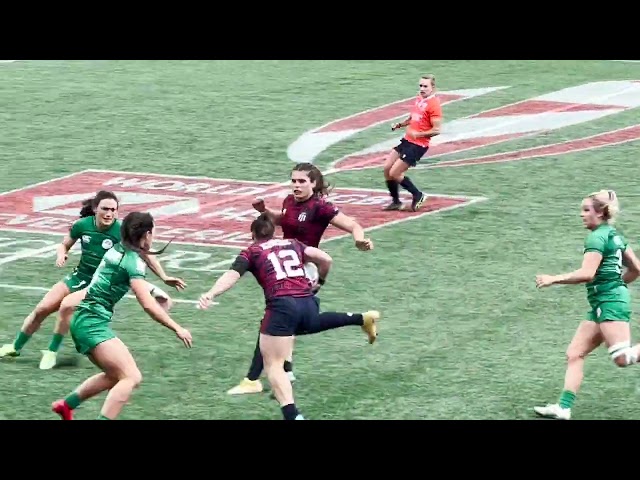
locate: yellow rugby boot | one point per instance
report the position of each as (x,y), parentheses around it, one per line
(245,387)
(369,326)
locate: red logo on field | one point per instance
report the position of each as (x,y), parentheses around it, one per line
(192,210)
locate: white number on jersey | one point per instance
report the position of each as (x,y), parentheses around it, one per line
(290,265)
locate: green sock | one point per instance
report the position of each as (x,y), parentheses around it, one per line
(102,417)
(56,341)
(567,398)
(73,400)
(21,340)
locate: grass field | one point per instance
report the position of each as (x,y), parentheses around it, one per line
(464,335)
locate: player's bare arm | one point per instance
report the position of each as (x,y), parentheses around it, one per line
(156,267)
(155,311)
(224,283)
(590,263)
(403,124)
(349,225)
(322,260)
(632,263)
(63,250)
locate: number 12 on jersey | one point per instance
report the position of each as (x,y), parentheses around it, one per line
(286,264)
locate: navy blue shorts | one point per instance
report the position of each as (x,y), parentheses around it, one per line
(410,153)
(289,316)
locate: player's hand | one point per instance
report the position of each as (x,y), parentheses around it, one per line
(365,244)
(205,301)
(395,126)
(61,260)
(184,335)
(258,204)
(544,281)
(316,288)
(176,283)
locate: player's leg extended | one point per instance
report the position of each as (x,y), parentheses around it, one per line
(398,173)
(330,320)
(586,339)
(392,185)
(89,388)
(275,350)
(65,312)
(49,304)
(117,363)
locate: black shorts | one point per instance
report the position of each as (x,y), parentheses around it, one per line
(410,153)
(287,316)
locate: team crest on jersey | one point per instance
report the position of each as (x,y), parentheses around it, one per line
(302,217)
(107,244)
(86,238)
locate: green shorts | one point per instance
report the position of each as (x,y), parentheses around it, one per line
(76,281)
(611,306)
(89,330)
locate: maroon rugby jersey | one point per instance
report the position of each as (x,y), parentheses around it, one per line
(278,266)
(306,221)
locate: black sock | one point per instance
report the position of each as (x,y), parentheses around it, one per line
(392,185)
(330,320)
(288,366)
(290,412)
(257,363)
(408,185)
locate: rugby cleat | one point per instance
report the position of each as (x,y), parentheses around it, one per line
(369,326)
(48,359)
(245,387)
(8,350)
(554,411)
(417,202)
(393,206)
(61,408)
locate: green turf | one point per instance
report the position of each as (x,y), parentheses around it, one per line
(465,334)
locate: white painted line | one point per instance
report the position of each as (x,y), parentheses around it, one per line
(27,253)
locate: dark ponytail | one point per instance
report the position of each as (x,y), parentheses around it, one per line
(134,226)
(90,204)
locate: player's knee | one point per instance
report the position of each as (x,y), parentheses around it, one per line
(622,354)
(66,310)
(43,310)
(135,377)
(574,355)
(272,363)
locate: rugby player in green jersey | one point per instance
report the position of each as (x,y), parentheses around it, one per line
(605,253)
(98,230)
(122,268)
